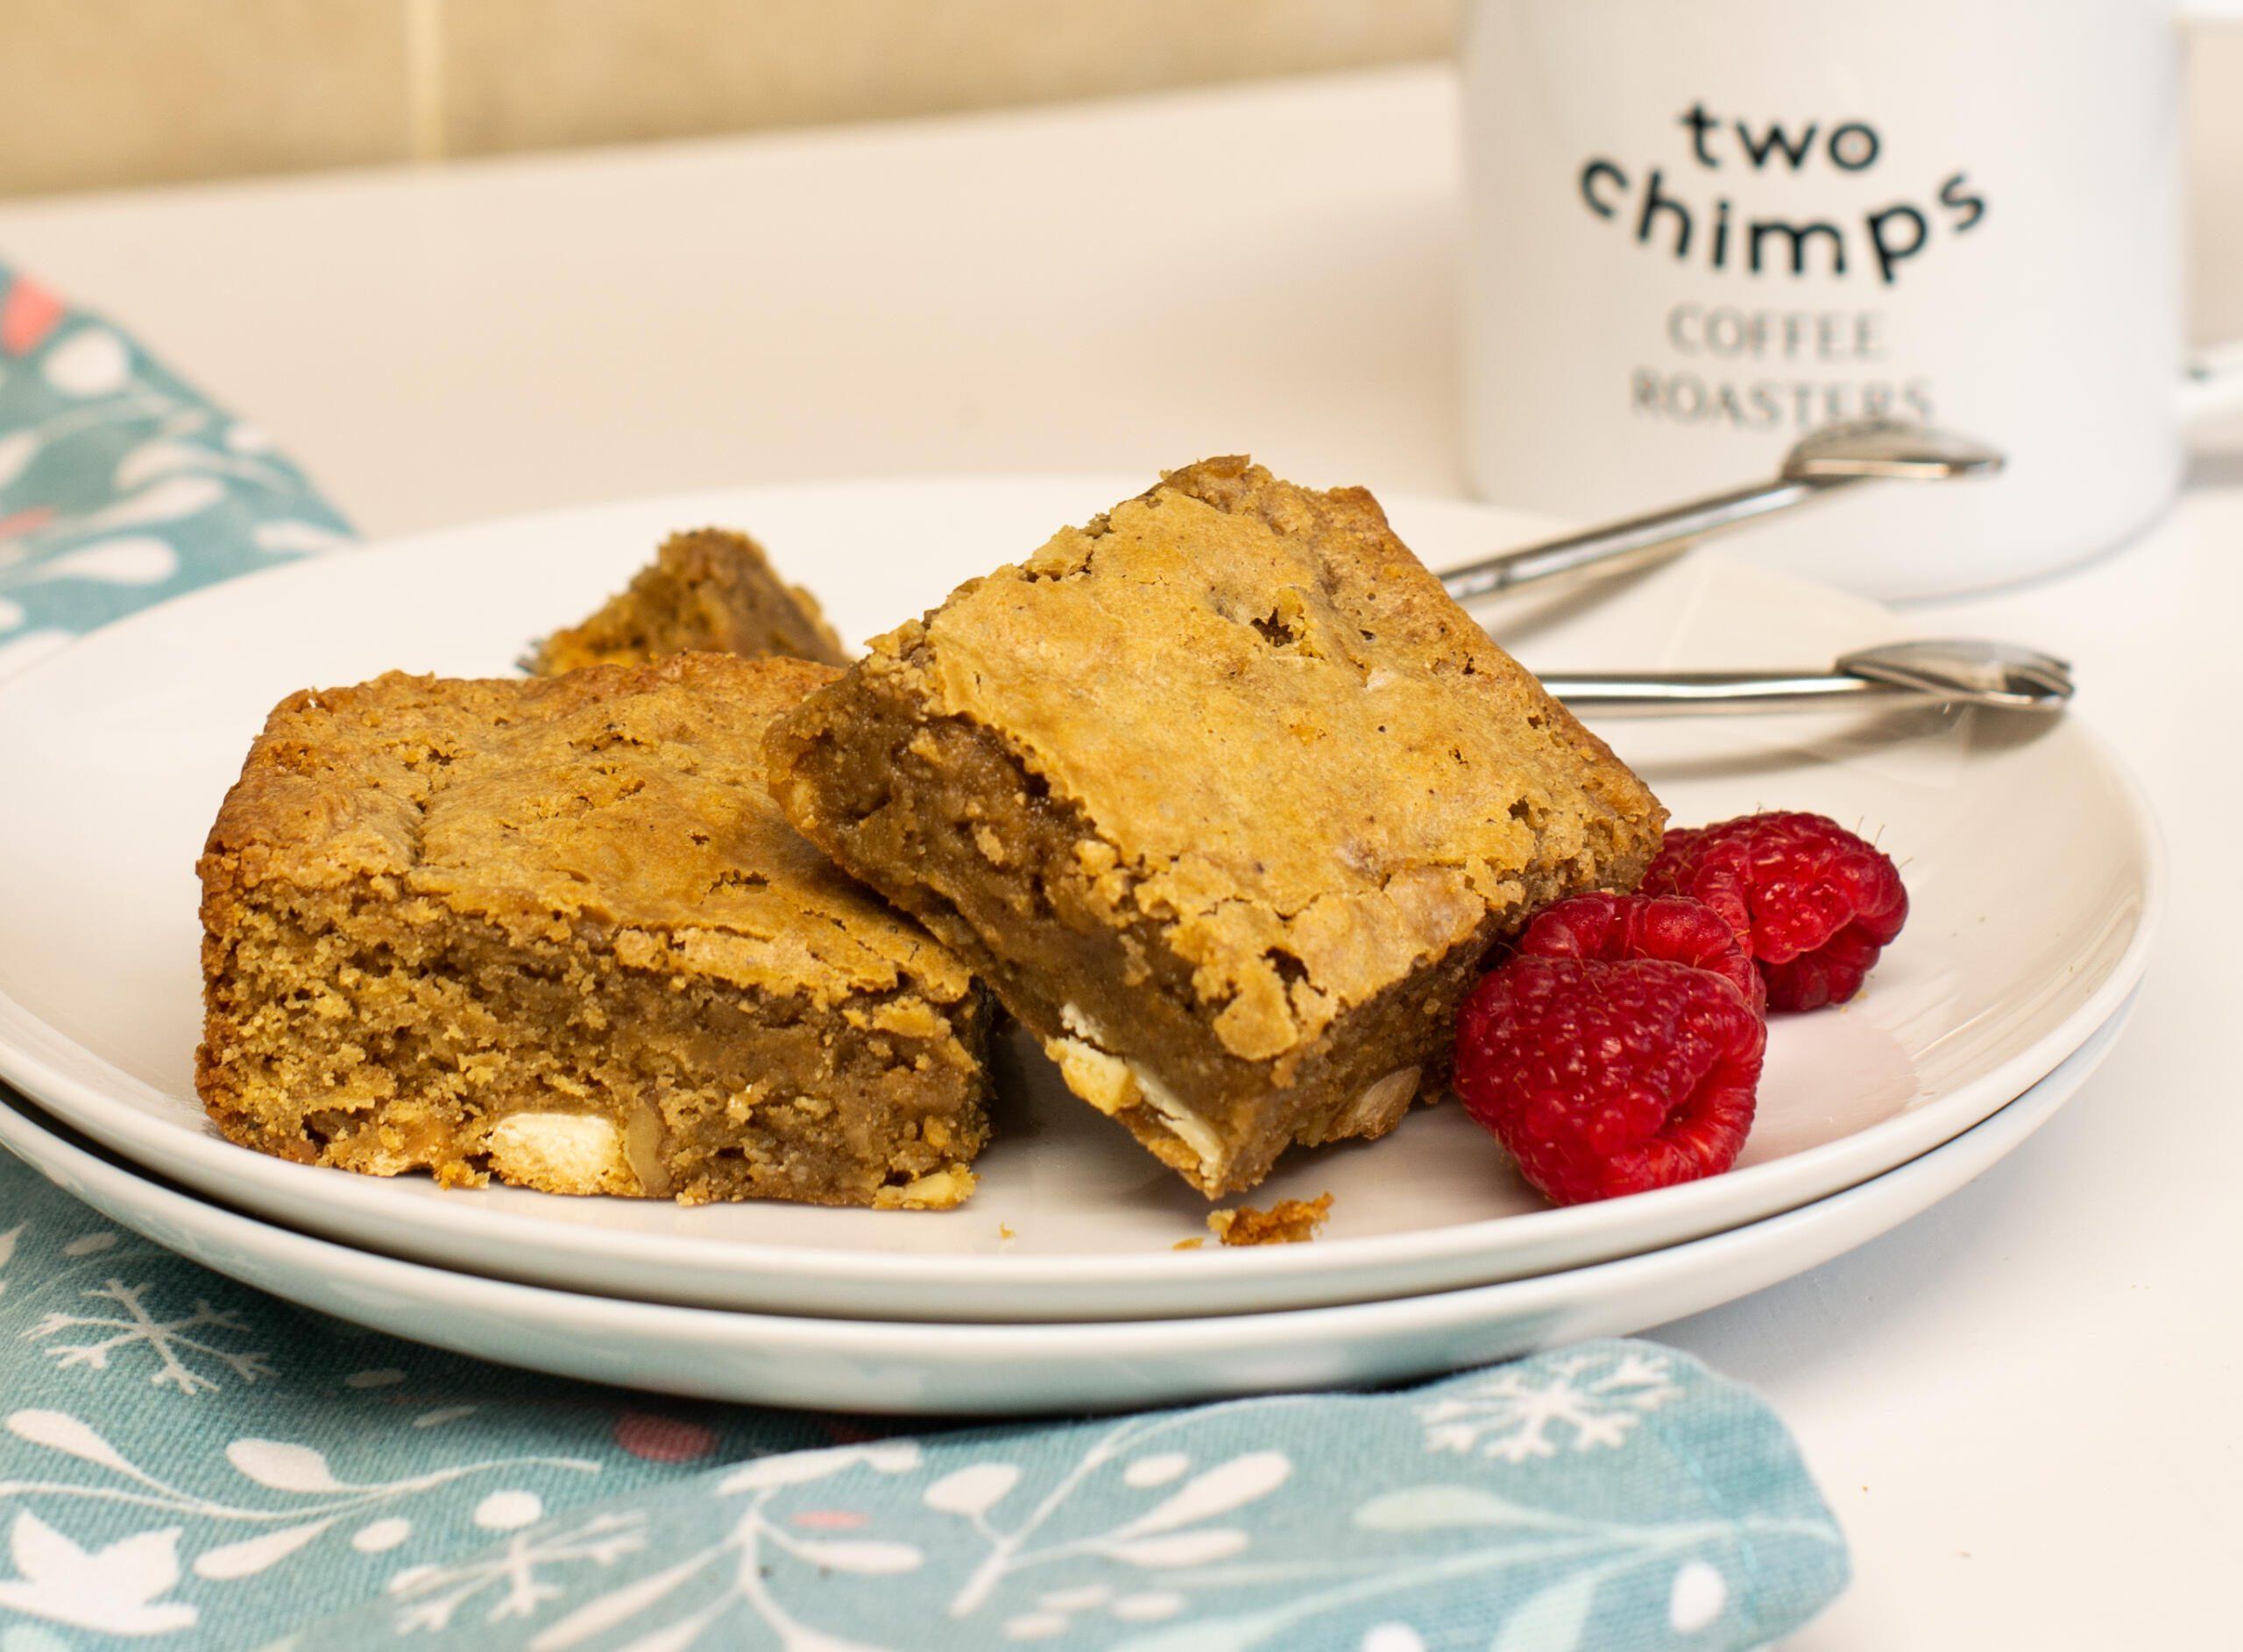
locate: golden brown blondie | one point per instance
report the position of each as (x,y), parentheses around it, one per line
(711,591)
(554,932)
(1225,799)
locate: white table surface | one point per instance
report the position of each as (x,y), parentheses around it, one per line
(2023,1404)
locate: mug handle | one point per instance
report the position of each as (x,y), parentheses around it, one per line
(2211,382)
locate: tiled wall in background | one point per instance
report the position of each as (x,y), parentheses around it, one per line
(99,93)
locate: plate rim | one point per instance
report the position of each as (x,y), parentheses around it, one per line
(219,1167)
(958,1346)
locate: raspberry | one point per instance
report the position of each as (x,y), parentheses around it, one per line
(1609,1078)
(1610,929)
(1811,902)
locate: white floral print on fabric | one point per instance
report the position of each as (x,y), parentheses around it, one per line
(512,1581)
(1285,1522)
(117,1588)
(182,1458)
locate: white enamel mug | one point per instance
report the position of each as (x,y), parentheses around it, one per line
(1696,228)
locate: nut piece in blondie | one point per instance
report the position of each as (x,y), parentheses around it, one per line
(1225,799)
(554,932)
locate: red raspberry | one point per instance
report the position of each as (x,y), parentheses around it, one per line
(1611,928)
(1813,903)
(1609,1078)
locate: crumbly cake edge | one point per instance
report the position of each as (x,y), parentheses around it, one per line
(236,863)
(1098,1073)
(643,1158)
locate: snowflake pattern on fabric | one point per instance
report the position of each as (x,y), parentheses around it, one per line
(182,1356)
(1566,1403)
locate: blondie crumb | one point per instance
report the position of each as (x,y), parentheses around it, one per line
(1287,1222)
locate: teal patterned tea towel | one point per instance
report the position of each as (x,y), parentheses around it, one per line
(186,1462)
(119,484)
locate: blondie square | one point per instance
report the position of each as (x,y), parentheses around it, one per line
(1225,799)
(554,932)
(709,592)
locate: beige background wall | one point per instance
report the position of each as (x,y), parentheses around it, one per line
(96,93)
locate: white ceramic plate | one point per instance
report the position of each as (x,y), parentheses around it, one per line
(2033,866)
(959,1369)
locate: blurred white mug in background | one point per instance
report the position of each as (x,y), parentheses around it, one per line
(1697,229)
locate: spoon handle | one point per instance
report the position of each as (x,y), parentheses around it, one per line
(1822,462)
(1672,694)
(1637,541)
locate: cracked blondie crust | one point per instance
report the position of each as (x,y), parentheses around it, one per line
(1225,799)
(554,932)
(711,591)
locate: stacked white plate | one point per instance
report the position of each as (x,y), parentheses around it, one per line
(2032,867)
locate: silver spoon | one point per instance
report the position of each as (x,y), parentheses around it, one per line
(1834,457)
(1957,671)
